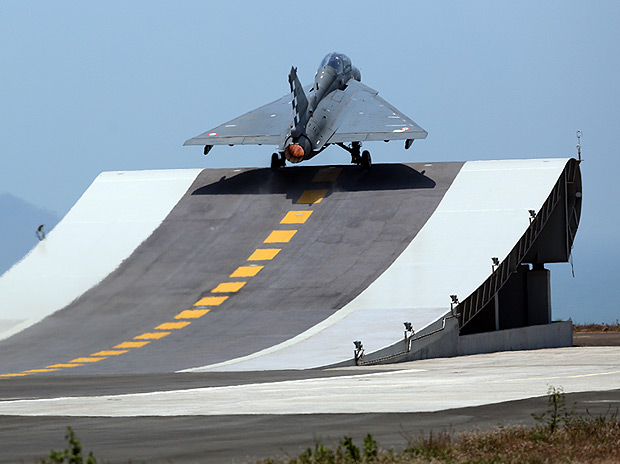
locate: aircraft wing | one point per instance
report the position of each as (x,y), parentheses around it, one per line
(263,125)
(368,117)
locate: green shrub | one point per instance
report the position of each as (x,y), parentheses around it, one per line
(72,454)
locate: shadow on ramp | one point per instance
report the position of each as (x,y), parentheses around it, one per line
(290,181)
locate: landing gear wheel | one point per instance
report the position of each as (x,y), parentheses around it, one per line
(277,162)
(355,153)
(366,161)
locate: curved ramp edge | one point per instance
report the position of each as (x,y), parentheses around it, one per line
(482,215)
(111,219)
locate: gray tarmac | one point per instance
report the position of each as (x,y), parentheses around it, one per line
(55,386)
(153,427)
(247,438)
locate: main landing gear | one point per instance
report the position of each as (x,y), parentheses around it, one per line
(365,160)
(277,161)
(362,159)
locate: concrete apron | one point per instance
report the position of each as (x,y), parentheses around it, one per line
(420,386)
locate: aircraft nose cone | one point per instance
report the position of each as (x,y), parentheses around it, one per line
(295,151)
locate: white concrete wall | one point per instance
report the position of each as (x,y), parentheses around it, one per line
(117,213)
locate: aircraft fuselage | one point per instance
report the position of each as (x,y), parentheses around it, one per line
(314,115)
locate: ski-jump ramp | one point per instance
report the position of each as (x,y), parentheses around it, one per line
(249,269)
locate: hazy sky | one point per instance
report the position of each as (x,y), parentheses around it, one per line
(87,87)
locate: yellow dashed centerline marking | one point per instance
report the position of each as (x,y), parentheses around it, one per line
(246,271)
(64,365)
(172,325)
(326,175)
(152,336)
(36,371)
(211,301)
(110,353)
(264,254)
(296,217)
(131,344)
(260,254)
(280,236)
(86,360)
(228,287)
(312,196)
(191,313)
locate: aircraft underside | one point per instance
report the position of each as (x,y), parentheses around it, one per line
(359,157)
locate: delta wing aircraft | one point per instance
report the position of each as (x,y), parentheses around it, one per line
(337,110)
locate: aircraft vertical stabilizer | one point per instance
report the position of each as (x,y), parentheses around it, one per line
(300,103)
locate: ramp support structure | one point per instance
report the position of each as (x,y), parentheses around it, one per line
(517,294)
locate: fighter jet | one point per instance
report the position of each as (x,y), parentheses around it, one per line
(336,110)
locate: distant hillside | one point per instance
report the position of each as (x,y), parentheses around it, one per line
(18,223)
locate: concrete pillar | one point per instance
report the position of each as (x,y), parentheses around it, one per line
(512,300)
(538,296)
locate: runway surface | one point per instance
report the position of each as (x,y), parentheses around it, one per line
(220,417)
(247,438)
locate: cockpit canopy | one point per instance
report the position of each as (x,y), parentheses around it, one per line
(339,61)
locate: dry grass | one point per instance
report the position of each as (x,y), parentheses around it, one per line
(597,327)
(587,441)
(584,442)
(559,437)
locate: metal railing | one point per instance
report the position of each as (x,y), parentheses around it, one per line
(409,341)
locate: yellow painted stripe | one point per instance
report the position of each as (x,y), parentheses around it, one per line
(296,217)
(36,371)
(311,196)
(64,365)
(246,271)
(228,287)
(172,325)
(152,336)
(131,344)
(211,301)
(110,353)
(327,175)
(280,236)
(21,374)
(86,360)
(264,254)
(191,313)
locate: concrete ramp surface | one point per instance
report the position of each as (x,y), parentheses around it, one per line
(117,213)
(249,269)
